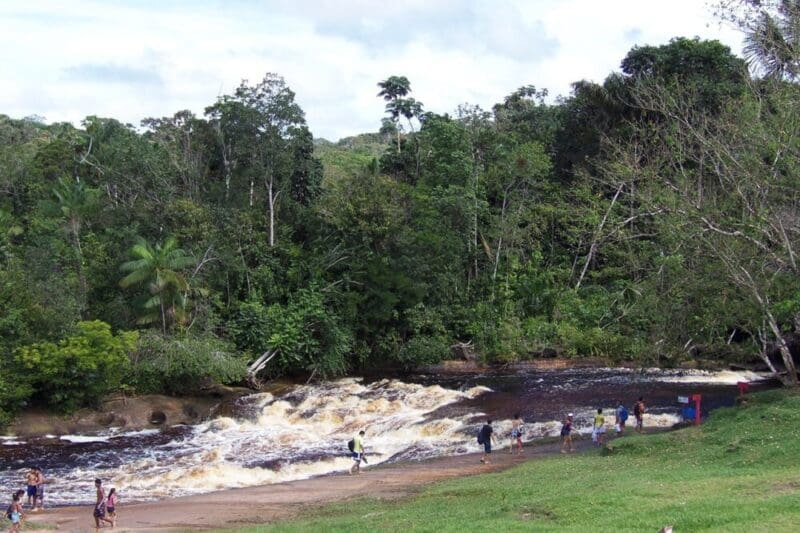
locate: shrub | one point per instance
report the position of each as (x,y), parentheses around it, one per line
(78,370)
(182,365)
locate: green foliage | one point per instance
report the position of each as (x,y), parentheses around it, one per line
(78,370)
(305,331)
(183,364)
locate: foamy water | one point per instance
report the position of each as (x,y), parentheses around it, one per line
(304,433)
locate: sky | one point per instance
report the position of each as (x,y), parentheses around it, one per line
(144,58)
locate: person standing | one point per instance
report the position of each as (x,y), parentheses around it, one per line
(516,434)
(358,453)
(638,413)
(566,435)
(40,481)
(621,417)
(599,426)
(30,481)
(486,437)
(100,505)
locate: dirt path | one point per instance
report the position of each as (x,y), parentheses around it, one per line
(257,505)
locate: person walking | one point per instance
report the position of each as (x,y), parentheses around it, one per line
(516,434)
(111,506)
(100,505)
(486,437)
(358,453)
(638,413)
(599,427)
(620,417)
(566,435)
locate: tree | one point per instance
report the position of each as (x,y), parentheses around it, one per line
(746,217)
(159,268)
(394,90)
(771,34)
(75,200)
(258,126)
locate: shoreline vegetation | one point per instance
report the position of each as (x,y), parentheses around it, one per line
(733,473)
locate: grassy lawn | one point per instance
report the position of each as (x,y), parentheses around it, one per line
(738,472)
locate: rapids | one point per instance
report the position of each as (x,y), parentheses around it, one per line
(303,433)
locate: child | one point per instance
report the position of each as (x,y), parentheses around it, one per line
(111,506)
(14,512)
(566,435)
(516,433)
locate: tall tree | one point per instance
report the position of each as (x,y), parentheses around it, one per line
(75,200)
(260,124)
(394,90)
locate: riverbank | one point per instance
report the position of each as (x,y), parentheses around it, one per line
(737,472)
(240,508)
(127,413)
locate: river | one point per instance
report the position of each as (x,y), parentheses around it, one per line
(303,432)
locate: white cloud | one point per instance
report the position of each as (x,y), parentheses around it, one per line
(132,60)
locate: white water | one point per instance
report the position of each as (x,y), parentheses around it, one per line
(304,434)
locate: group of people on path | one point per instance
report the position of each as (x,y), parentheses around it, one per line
(621,416)
(104,510)
(486,435)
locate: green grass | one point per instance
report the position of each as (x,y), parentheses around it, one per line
(738,472)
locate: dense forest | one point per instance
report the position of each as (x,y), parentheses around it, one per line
(651,218)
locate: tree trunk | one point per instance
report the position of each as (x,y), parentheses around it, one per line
(783,348)
(593,247)
(82,284)
(272,197)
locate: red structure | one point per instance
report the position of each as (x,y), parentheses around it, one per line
(743,387)
(696,400)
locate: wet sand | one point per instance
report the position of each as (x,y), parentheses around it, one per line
(234,508)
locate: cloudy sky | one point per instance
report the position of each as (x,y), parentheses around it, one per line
(139,58)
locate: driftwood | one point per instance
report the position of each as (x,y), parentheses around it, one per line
(257,366)
(464,351)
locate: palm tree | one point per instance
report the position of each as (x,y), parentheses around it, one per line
(393,90)
(772,41)
(159,269)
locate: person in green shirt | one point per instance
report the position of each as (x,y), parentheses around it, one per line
(358,453)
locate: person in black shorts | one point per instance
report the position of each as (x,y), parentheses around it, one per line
(100,505)
(487,436)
